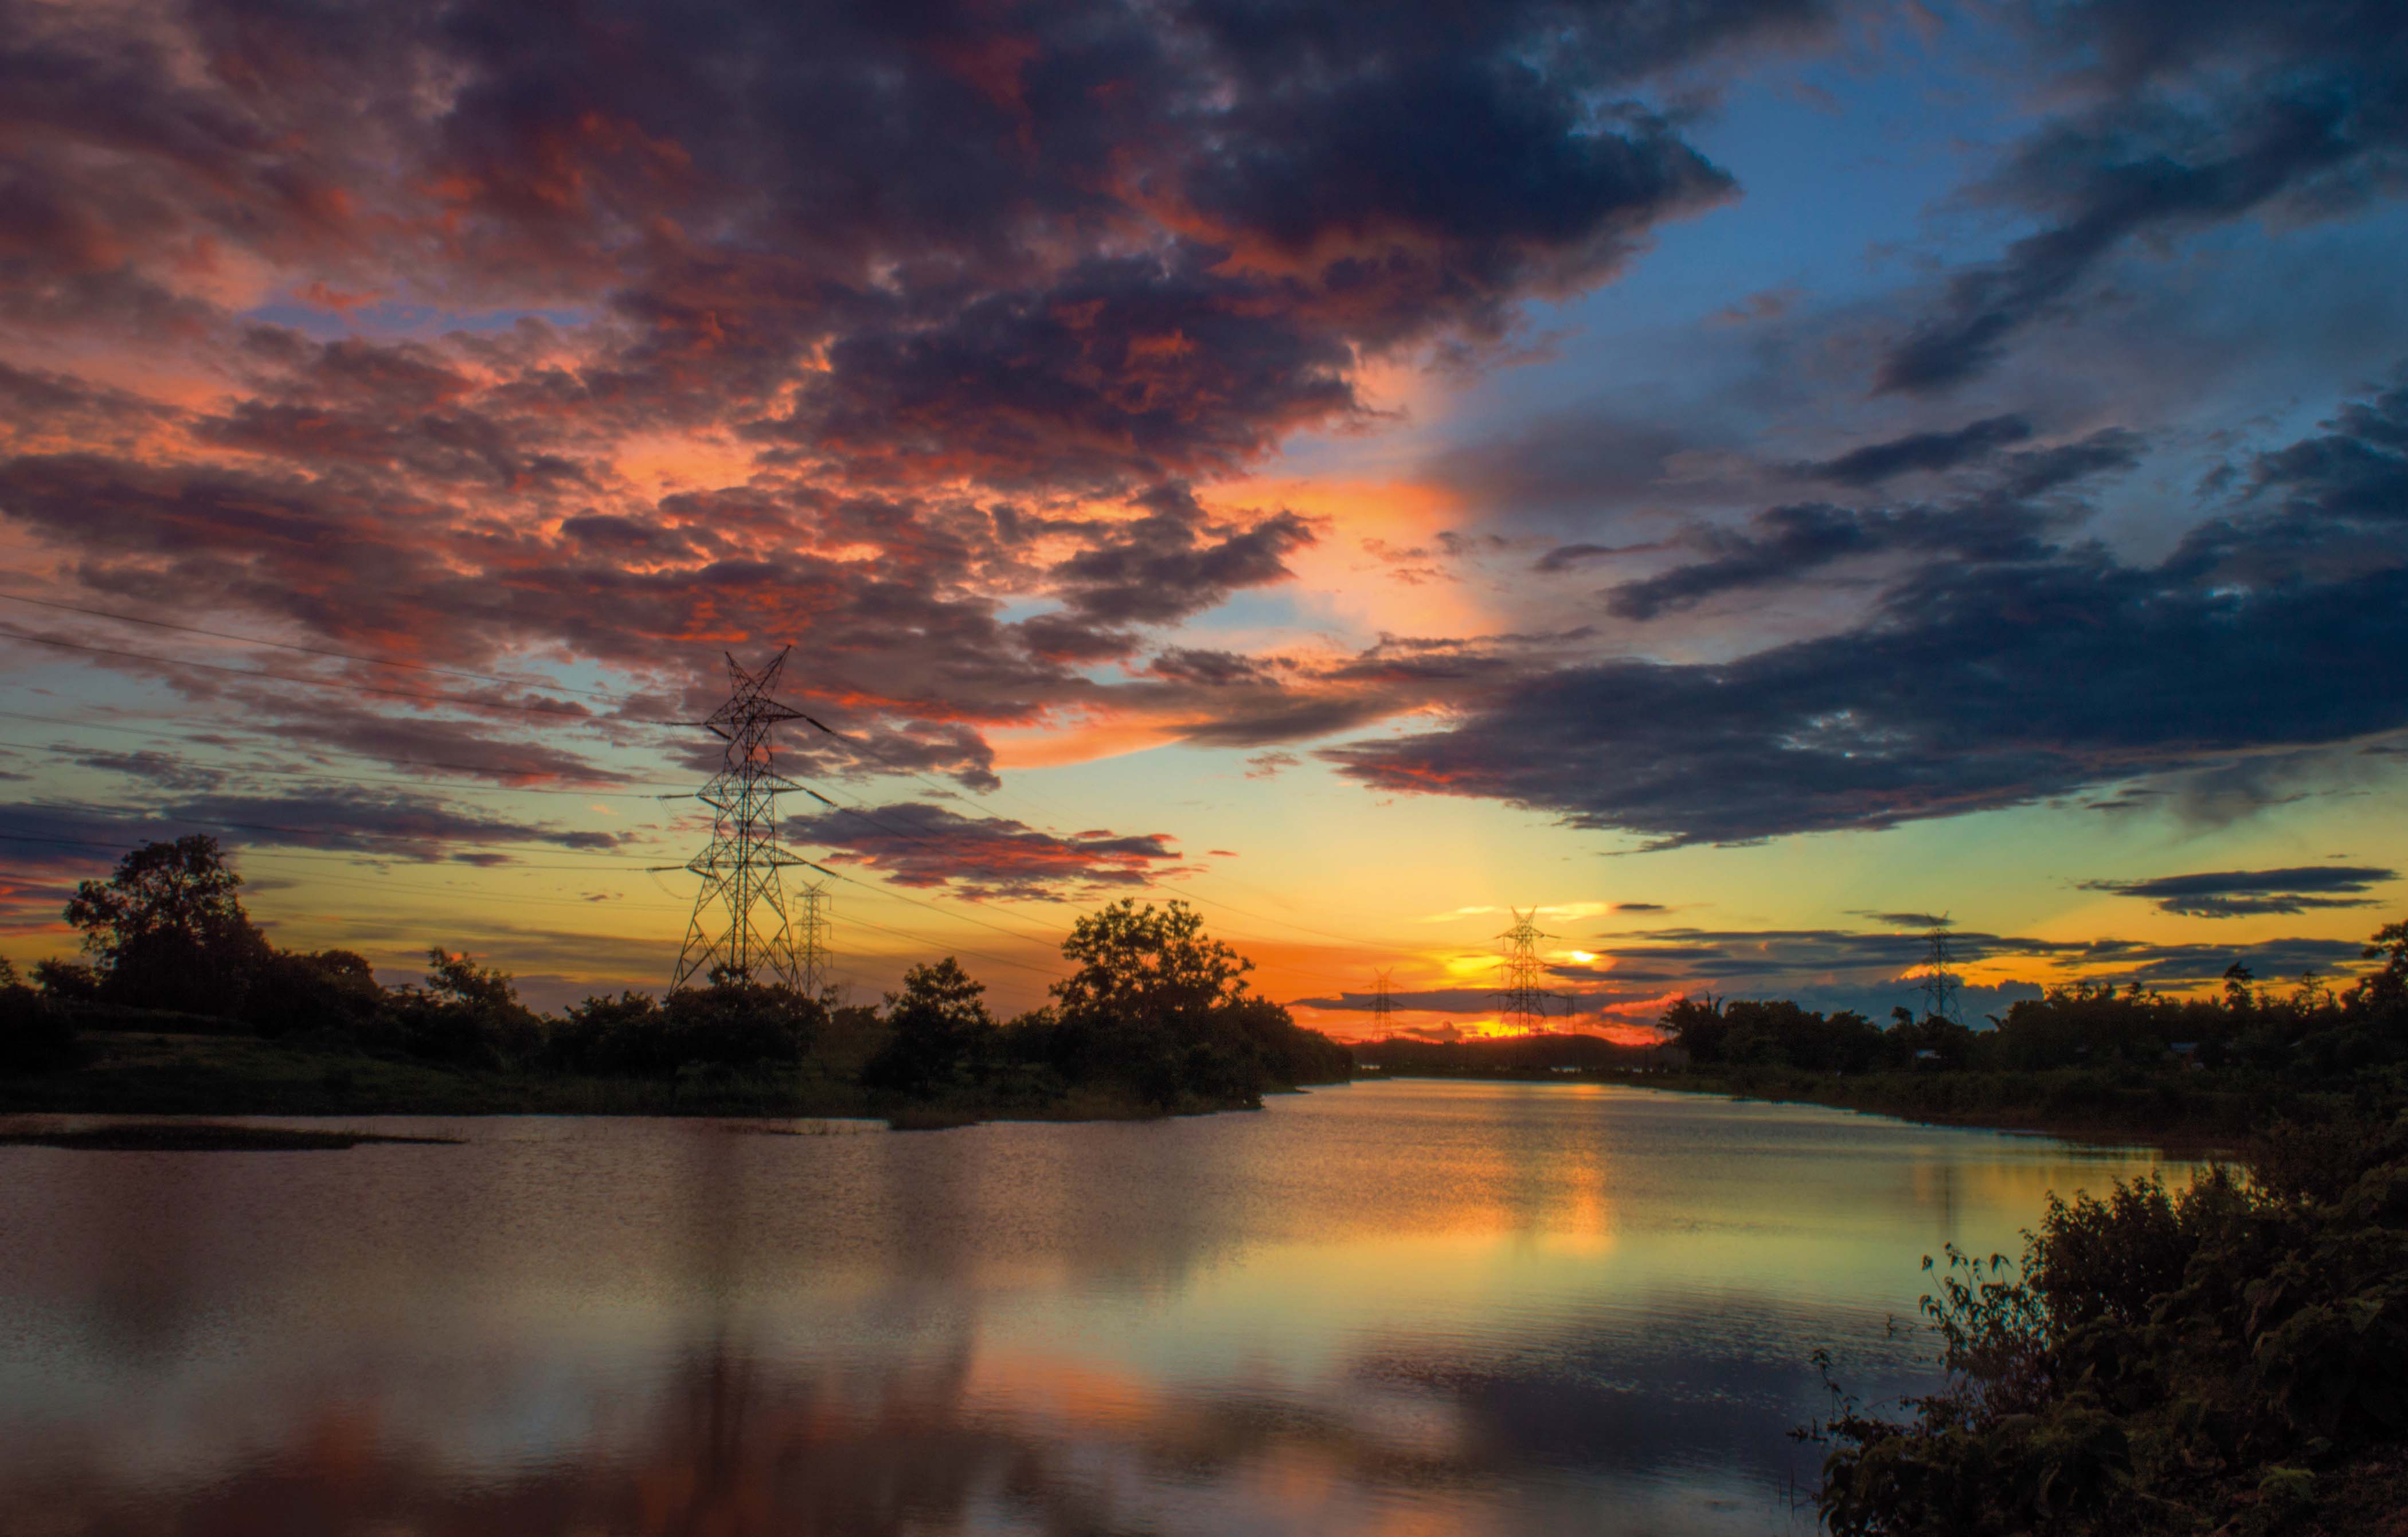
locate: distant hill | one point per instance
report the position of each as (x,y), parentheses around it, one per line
(1543,1053)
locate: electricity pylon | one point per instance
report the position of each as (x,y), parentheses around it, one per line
(1939,982)
(1523,1000)
(1381,1006)
(813,972)
(739,869)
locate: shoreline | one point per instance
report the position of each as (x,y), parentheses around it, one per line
(140,1073)
(158,1074)
(2206,1124)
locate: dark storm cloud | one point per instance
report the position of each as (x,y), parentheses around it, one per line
(2249,893)
(1964,695)
(402,825)
(174,771)
(1922,451)
(1909,920)
(2356,473)
(897,263)
(2205,114)
(399,823)
(2189,966)
(1175,561)
(912,843)
(2003,520)
(1977,685)
(1205,666)
(1784,543)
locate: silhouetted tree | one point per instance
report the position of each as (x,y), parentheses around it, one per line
(940,1032)
(1698,1027)
(2388,989)
(167,929)
(1162,1009)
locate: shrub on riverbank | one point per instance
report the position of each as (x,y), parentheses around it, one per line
(2230,1357)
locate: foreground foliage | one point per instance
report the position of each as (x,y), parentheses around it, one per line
(2230,1357)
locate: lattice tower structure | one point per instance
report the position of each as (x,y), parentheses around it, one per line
(739,931)
(1940,983)
(1523,1000)
(1382,1008)
(814,974)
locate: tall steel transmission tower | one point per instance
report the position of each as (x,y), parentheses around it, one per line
(1382,1009)
(1523,998)
(812,973)
(739,869)
(1940,980)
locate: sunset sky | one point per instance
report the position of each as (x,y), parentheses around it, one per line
(1745,477)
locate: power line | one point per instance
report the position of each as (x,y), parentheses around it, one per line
(915,901)
(957,950)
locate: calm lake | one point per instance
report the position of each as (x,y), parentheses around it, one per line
(1393,1307)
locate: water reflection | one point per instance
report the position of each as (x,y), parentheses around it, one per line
(1395,1307)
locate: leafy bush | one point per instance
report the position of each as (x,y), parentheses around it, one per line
(741,1025)
(729,1025)
(2163,1362)
(465,1016)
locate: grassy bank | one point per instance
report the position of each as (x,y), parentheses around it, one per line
(175,1073)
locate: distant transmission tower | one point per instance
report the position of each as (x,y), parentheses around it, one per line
(1382,1008)
(1940,980)
(812,974)
(1524,1001)
(739,869)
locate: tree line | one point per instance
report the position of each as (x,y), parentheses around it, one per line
(1157,1012)
(2309,1030)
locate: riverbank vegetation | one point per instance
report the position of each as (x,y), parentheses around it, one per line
(2087,1058)
(2228,1358)
(183,1006)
